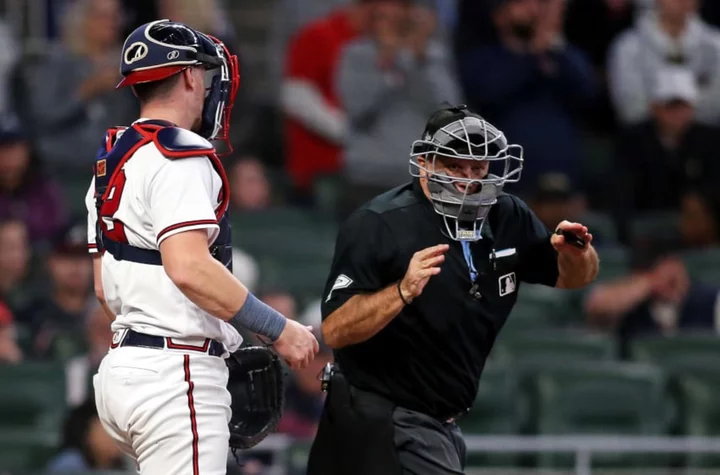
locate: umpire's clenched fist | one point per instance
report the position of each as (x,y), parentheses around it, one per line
(423,265)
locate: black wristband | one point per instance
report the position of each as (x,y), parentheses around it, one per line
(400,294)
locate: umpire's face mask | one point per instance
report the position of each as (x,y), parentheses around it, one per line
(466,164)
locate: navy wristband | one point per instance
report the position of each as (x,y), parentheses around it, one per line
(260,318)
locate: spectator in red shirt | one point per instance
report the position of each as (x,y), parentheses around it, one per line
(316,125)
(9,350)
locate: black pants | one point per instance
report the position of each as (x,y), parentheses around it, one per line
(361,433)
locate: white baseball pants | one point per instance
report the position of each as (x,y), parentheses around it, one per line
(167,409)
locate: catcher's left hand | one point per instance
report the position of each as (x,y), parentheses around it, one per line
(256,385)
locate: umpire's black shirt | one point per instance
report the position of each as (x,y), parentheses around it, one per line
(430,357)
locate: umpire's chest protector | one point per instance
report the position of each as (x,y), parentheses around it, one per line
(174,143)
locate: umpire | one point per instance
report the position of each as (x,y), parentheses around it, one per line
(424,277)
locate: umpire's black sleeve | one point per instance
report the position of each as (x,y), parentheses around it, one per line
(363,253)
(538,259)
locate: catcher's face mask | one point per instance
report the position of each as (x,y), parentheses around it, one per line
(466,163)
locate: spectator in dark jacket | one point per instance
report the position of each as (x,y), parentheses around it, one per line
(26,193)
(659,158)
(529,82)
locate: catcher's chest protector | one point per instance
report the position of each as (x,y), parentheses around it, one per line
(174,143)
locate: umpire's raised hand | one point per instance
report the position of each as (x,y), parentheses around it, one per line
(423,265)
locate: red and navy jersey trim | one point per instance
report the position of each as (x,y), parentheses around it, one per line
(185,224)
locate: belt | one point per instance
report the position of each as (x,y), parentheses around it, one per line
(142,340)
(332,369)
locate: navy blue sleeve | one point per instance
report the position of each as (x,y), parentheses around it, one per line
(538,259)
(363,255)
(493,75)
(574,75)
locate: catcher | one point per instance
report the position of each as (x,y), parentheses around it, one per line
(160,236)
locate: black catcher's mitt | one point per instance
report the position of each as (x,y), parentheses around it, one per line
(256,385)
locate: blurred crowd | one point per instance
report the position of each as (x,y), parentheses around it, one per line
(616,103)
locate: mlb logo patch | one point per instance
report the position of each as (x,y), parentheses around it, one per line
(101,167)
(507,284)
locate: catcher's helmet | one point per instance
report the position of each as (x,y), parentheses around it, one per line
(160,49)
(458,133)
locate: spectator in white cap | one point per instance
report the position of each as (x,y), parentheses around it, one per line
(671,34)
(660,157)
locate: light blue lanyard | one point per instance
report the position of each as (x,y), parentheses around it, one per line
(468,259)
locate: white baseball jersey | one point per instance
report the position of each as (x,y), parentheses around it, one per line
(161,197)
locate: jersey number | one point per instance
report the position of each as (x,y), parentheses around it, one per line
(111,227)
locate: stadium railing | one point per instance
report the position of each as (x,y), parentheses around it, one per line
(582,447)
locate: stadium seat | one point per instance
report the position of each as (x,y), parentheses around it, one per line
(297,458)
(666,351)
(655,227)
(22,451)
(74,190)
(560,345)
(538,307)
(614,263)
(299,276)
(601,398)
(704,265)
(285,232)
(32,395)
(698,386)
(693,363)
(526,316)
(328,193)
(602,227)
(500,408)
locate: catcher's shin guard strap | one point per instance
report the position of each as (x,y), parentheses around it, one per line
(260,318)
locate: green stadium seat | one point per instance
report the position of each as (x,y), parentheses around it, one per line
(666,351)
(655,226)
(597,153)
(525,316)
(285,232)
(601,398)
(602,226)
(301,277)
(703,265)
(75,188)
(329,192)
(539,307)
(698,387)
(32,395)
(614,263)
(560,345)
(297,458)
(693,363)
(22,450)
(500,408)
